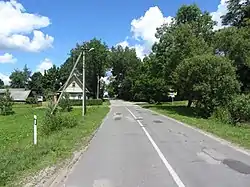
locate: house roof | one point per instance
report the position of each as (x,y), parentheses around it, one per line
(19,94)
(76,79)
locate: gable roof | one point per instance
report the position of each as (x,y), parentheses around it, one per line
(76,79)
(19,94)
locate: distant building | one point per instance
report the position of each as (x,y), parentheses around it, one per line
(74,88)
(17,94)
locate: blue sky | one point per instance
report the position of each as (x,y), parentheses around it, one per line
(131,23)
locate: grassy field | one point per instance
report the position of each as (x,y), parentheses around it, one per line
(19,157)
(239,134)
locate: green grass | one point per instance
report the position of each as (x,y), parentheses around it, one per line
(238,134)
(19,157)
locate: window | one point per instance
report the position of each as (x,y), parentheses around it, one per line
(73,84)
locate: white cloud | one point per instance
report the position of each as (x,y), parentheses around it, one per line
(141,51)
(124,44)
(7,58)
(143,30)
(17,25)
(5,79)
(216,16)
(44,65)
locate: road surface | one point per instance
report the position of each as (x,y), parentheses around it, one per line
(135,147)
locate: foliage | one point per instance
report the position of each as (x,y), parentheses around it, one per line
(65,103)
(96,63)
(1,83)
(240,108)
(56,121)
(36,83)
(51,79)
(189,35)
(125,70)
(235,44)
(238,13)
(208,80)
(222,114)
(20,78)
(6,104)
(89,102)
(31,100)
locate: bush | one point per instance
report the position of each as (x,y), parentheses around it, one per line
(65,103)
(240,108)
(6,104)
(31,100)
(56,121)
(89,102)
(222,114)
(208,80)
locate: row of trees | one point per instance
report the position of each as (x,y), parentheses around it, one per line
(206,67)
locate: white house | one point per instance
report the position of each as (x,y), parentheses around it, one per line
(74,88)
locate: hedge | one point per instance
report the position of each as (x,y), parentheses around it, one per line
(89,102)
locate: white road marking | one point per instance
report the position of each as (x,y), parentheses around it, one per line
(164,160)
(212,136)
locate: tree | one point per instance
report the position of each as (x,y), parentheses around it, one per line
(189,35)
(235,44)
(36,82)
(20,79)
(150,85)
(96,63)
(125,69)
(26,75)
(17,79)
(51,79)
(6,104)
(65,103)
(238,13)
(208,80)
(1,83)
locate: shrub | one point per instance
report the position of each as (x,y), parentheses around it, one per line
(89,102)
(222,114)
(6,104)
(65,103)
(57,121)
(240,108)
(208,80)
(31,100)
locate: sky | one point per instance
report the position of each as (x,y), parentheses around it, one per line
(41,33)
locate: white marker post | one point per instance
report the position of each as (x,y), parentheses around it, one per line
(35,129)
(172,95)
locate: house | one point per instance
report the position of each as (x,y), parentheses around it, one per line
(17,94)
(74,88)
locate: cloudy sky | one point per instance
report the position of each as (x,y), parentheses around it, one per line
(40,33)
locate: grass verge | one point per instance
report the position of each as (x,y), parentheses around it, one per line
(19,157)
(238,134)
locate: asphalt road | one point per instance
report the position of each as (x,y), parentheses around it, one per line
(135,147)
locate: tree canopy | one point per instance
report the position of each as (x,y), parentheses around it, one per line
(1,83)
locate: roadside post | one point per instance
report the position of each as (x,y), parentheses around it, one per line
(35,129)
(172,95)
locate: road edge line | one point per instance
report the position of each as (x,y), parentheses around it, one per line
(208,134)
(160,154)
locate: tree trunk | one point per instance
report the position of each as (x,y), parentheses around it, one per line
(190,103)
